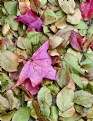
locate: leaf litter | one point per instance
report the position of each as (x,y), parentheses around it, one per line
(46,60)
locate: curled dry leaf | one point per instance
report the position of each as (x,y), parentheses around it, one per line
(74,18)
(67,6)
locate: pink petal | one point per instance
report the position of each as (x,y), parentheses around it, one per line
(38,67)
(31,19)
(87,9)
(76,41)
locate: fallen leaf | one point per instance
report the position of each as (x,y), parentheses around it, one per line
(76,41)
(53,114)
(33,112)
(67,113)
(10,20)
(90,112)
(23,6)
(49,17)
(45,100)
(5,29)
(77,80)
(55,41)
(11,7)
(8,61)
(7,117)
(87,9)
(61,23)
(13,101)
(65,99)
(83,98)
(74,117)
(75,17)
(31,19)
(39,67)
(4,104)
(67,6)
(72,64)
(22,114)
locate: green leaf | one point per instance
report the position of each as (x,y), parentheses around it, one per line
(23,114)
(11,7)
(45,100)
(53,2)
(24,44)
(77,80)
(45,111)
(87,62)
(5,82)
(83,98)
(33,112)
(72,64)
(13,23)
(65,99)
(8,61)
(63,77)
(54,88)
(90,31)
(53,114)
(36,39)
(81,26)
(49,17)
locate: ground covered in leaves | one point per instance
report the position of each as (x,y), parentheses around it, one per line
(46,60)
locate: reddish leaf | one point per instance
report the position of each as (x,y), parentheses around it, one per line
(87,9)
(29,87)
(37,68)
(76,41)
(31,19)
